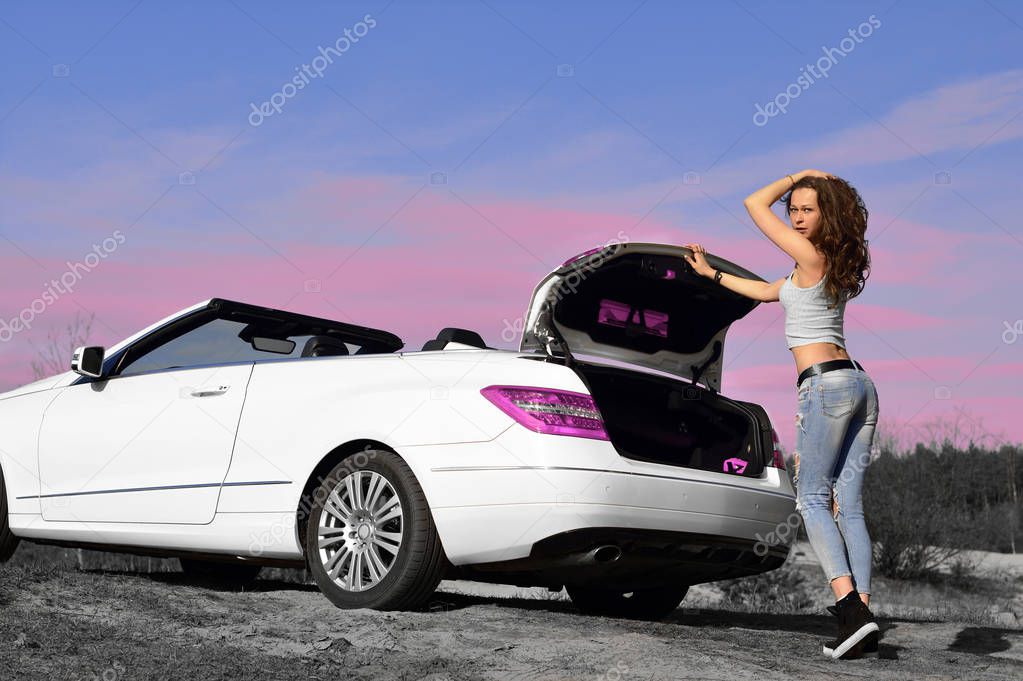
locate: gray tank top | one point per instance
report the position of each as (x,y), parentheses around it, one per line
(807,317)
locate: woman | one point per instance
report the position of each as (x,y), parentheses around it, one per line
(838,406)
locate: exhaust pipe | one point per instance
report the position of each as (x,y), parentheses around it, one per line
(601,555)
(608,553)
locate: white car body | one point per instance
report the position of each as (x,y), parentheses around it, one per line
(215,459)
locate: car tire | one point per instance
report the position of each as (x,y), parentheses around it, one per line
(371,541)
(214,573)
(8,542)
(646,604)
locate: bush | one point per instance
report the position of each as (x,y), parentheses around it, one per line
(962,573)
(923,509)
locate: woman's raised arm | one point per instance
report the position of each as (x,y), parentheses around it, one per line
(758,204)
(757,290)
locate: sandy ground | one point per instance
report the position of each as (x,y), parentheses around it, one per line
(113,626)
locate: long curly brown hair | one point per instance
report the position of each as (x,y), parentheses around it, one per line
(841,237)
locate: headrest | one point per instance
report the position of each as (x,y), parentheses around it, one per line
(450,334)
(463,336)
(324,346)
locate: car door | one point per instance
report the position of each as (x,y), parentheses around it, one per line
(152,443)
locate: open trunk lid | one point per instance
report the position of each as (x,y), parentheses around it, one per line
(638,303)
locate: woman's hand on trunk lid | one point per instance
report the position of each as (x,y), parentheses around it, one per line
(698,260)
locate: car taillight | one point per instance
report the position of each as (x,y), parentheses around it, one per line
(546,410)
(778,461)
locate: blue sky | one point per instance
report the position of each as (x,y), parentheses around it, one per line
(107,112)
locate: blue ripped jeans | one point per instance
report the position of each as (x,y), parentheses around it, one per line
(834,437)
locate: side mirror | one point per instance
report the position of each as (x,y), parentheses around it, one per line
(88,361)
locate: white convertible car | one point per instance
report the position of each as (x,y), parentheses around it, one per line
(601,456)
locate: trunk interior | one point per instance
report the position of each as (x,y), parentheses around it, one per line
(667,421)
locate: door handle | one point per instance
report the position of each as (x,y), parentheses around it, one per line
(210,392)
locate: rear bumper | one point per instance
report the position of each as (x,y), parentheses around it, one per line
(494,533)
(501,500)
(632,558)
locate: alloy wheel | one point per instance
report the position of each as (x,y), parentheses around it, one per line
(361,527)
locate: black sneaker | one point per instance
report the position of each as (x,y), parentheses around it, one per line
(869,646)
(855,624)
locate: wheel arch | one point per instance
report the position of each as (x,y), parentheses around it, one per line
(8,541)
(4,491)
(325,465)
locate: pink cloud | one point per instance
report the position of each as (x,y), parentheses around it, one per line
(986,388)
(439,216)
(401,288)
(398,288)
(880,318)
(451,257)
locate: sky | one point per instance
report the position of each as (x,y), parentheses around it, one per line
(415,165)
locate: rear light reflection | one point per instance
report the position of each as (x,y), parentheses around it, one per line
(546,410)
(582,255)
(615,313)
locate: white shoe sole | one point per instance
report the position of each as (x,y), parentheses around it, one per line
(829,651)
(853,639)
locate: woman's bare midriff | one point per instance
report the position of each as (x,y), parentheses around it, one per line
(812,353)
(807,355)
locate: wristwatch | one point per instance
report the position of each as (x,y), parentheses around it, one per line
(717,276)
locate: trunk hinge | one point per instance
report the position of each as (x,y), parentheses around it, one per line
(547,335)
(699,369)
